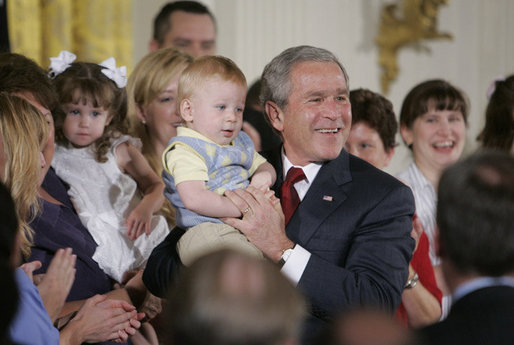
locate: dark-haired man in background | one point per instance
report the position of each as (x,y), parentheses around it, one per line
(186,25)
(475,216)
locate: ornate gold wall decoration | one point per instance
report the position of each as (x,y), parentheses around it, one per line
(418,23)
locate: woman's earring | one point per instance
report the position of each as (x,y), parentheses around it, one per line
(143,122)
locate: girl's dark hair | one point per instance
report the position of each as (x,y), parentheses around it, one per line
(498,132)
(84,82)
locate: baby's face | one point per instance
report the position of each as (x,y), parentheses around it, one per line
(216,110)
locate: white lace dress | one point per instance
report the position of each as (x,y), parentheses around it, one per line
(103,197)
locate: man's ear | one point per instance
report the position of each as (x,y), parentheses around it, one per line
(186,110)
(275,115)
(153,45)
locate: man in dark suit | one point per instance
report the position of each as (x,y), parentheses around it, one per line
(348,244)
(475,215)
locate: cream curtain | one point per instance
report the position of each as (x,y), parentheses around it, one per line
(92,29)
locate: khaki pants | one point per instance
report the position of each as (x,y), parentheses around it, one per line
(205,238)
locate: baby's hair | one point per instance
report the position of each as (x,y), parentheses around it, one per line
(84,82)
(205,69)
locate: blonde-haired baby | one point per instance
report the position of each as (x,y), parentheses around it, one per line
(210,155)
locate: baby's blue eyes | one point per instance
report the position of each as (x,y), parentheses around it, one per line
(95,114)
(223,107)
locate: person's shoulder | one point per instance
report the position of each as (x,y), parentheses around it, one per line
(366,172)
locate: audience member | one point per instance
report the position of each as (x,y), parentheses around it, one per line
(185,25)
(254,119)
(152,114)
(113,188)
(228,298)
(39,307)
(498,132)
(348,242)
(372,138)
(475,213)
(210,155)
(433,122)
(364,326)
(374,127)
(57,225)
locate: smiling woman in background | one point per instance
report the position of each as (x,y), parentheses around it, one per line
(433,123)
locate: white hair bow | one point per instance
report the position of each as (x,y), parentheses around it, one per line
(60,63)
(117,75)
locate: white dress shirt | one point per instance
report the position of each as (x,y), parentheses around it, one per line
(296,263)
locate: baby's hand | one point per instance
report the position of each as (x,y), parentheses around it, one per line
(138,222)
(261,181)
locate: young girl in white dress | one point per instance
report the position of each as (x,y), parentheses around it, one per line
(113,188)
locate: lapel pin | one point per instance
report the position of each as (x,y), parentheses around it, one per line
(327,197)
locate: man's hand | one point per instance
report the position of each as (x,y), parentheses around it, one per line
(262,222)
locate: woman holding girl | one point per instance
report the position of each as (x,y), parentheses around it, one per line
(21,169)
(57,225)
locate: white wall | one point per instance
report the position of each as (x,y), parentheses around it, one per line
(252,32)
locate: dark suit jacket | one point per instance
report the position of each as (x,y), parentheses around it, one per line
(355,220)
(484,316)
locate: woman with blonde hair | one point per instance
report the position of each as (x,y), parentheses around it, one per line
(152,115)
(23,176)
(23,134)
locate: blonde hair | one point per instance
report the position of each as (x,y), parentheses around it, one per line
(151,77)
(205,69)
(23,131)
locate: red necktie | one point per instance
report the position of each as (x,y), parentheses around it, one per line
(289,198)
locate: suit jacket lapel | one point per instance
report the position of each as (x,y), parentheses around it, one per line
(325,195)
